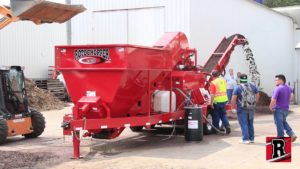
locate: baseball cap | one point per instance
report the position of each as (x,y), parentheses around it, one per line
(243,78)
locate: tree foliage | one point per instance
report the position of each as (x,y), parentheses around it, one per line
(280,3)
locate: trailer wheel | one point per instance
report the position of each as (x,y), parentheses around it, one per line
(208,129)
(38,124)
(136,128)
(3,131)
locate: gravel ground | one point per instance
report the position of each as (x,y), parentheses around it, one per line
(148,150)
(15,159)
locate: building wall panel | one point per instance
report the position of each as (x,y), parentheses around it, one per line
(269,33)
(147,20)
(32,46)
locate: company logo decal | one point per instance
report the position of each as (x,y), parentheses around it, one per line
(92,56)
(279,149)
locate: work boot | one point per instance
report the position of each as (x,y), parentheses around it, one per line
(294,138)
(222,129)
(228,130)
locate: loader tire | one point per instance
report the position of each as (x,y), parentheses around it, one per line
(38,124)
(3,131)
(136,128)
(207,128)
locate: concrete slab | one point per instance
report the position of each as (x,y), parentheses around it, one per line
(157,150)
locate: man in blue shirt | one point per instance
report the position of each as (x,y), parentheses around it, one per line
(245,96)
(231,82)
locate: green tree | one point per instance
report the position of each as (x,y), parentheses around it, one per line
(280,3)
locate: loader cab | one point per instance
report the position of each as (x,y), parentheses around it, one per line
(13,97)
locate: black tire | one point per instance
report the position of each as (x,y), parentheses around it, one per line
(3,131)
(38,124)
(136,128)
(207,128)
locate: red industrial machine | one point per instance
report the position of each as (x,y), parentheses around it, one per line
(118,86)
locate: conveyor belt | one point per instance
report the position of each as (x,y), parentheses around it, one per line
(217,55)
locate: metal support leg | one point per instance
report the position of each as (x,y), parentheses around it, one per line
(76,145)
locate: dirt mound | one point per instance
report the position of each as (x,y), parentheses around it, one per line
(264,99)
(14,159)
(263,110)
(40,99)
(263,103)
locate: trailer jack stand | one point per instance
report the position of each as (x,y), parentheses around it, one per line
(76,145)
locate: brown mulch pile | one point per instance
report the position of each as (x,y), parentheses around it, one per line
(264,99)
(263,110)
(262,106)
(40,99)
(14,159)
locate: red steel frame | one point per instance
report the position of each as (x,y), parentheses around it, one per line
(124,84)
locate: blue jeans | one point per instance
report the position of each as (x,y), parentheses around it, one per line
(246,118)
(218,114)
(229,94)
(281,123)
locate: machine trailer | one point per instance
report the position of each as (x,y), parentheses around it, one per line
(121,85)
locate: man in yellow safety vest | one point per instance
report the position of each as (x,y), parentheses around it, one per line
(218,101)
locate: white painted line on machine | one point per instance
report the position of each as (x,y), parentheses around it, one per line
(18,120)
(171,119)
(104,127)
(159,121)
(78,128)
(148,124)
(18,115)
(180,118)
(126,125)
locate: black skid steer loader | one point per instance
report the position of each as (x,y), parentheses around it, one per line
(16,118)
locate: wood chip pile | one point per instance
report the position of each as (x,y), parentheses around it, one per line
(40,99)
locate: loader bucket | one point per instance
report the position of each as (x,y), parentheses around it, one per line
(5,16)
(41,11)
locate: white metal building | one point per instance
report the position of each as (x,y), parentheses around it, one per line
(294,13)
(30,45)
(25,44)
(298,74)
(270,33)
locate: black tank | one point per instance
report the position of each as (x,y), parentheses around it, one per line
(193,127)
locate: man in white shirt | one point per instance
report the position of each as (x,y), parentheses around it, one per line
(231,82)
